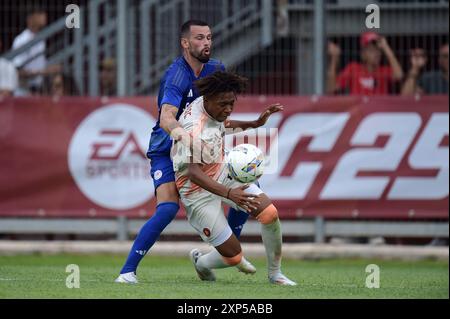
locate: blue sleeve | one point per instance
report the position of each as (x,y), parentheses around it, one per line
(174,88)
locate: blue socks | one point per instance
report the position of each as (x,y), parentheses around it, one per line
(236,220)
(149,233)
(165,213)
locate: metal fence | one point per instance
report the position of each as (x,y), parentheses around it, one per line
(318,229)
(123,47)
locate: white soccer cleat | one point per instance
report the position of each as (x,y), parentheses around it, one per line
(282,280)
(127,278)
(246,267)
(203,273)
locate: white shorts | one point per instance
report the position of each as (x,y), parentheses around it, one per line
(205,213)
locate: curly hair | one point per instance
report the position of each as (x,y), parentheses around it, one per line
(221,82)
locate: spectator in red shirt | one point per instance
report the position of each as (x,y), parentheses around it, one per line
(368,77)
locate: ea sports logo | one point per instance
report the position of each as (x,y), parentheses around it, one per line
(107,157)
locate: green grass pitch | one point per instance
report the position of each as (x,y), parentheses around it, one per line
(44,276)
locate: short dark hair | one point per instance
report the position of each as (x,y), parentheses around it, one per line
(186,27)
(35,10)
(221,82)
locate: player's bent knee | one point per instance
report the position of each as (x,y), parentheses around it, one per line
(268,215)
(167,193)
(233,261)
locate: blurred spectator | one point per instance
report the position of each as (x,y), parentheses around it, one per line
(282,20)
(32,64)
(368,77)
(62,84)
(108,77)
(8,77)
(432,82)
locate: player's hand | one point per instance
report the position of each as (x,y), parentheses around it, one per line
(247,201)
(267,113)
(178,134)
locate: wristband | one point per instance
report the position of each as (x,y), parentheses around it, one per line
(228,193)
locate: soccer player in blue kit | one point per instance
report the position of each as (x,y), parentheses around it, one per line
(177,90)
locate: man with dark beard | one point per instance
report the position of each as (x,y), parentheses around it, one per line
(177,90)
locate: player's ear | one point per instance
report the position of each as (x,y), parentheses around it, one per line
(184,43)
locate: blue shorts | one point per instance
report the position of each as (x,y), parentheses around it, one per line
(161,170)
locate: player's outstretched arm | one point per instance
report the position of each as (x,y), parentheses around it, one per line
(245,125)
(237,195)
(169,123)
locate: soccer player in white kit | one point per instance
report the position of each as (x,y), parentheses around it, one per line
(203,181)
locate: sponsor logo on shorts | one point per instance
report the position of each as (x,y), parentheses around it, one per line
(207,232)
(158,174)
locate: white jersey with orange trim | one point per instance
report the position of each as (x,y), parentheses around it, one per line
(204,209)
(208,134)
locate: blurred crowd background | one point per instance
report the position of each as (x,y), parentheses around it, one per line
(295,47)
(285,47)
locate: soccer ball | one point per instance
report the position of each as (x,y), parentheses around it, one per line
(246,163)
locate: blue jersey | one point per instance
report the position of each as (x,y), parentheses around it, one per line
(177,88)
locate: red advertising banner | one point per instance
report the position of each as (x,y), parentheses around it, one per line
(338,157)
